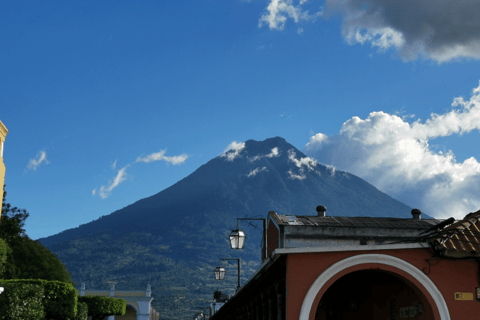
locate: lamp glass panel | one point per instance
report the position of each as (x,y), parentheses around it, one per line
(219,273)
(241,239)
(237,239)
(234,239)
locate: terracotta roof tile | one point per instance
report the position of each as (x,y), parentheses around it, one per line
(460,239)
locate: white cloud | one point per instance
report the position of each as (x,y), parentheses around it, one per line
(114,165)
(303,163)
(157,156)
(274,153)
(317,139)
(279,10)
(307,161)
(257,170)
(233,150)
(41,158)
(119,178)
(296,176)
(94,191)
(396,157)
(331,168)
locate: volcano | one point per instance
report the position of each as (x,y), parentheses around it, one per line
(175,238)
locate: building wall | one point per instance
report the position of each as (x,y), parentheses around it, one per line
(3,134)
(449,276)
(272,238)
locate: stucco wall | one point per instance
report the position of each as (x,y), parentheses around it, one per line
(272,238)
(449,276)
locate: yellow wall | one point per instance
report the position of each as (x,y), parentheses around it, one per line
(3,134)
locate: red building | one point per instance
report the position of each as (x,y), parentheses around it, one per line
(322,267)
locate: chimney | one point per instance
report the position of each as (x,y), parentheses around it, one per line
(417,214)
(321,211)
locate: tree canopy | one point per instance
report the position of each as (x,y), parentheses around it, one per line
(26,258)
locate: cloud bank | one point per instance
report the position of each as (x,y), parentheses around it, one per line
(443,31)
(122,175)
(34,163)
(396,157)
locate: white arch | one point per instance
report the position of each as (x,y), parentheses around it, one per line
(374,258)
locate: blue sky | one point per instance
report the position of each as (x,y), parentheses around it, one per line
(146,92)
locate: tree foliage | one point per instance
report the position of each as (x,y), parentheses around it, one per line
(3,254)
(12,222)
(26,258)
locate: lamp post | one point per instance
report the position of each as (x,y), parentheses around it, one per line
(237,237)
(220,272)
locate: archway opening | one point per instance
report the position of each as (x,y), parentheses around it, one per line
(373,294)
(130,314)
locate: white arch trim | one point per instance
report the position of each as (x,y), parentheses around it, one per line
(374,258)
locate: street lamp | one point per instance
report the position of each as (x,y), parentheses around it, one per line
(237,237)
(219,273)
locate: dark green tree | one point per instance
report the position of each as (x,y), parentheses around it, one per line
(12,222)
(26,258)
(3,255)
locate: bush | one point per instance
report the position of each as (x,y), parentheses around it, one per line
(58,299)
(82,311)
(100,307)
(28,301)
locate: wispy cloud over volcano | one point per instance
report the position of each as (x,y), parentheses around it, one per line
(122,175)
(233,150)
(115,182)
(301,164)
(160,156)
(396,157)
(273,154)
